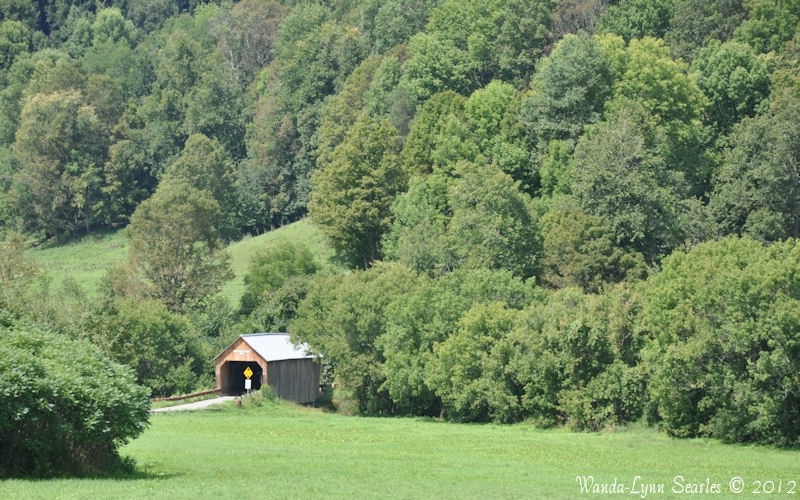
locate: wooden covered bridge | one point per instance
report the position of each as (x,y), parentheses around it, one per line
(271,359)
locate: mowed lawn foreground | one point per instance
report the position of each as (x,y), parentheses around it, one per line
(281,451)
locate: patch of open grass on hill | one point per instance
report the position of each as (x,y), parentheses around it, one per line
(281,451)
(243,251)
(87,259)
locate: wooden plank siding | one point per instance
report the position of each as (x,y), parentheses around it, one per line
(294,379)
(237,351)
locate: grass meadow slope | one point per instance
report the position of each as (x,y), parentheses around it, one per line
(275,450)
(87,260)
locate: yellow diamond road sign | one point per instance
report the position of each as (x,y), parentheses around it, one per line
(248,372)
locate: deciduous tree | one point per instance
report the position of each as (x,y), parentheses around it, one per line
(757,188)
(724,319)
(175,245)
(352,194)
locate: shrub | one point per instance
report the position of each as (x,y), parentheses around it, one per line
(558,350)
(167,354)
(65,408)
(725,319)
(614,397)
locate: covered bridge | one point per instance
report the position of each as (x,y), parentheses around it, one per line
(272,359)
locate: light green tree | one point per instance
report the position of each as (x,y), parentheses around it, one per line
(342,317)
(61,149)
(175,245)
(167,354)
(352,194)
(205,165)
(274,267)
(468,371)
(735,80)
(15,39)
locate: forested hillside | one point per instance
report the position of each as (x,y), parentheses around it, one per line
(573,212)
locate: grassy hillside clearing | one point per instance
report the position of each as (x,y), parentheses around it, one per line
(87,260)
(280,451)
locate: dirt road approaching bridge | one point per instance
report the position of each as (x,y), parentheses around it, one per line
(197,405)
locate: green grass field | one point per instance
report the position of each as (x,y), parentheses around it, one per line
(86,260)
(280,451)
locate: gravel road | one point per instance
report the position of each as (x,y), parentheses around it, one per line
(197,405)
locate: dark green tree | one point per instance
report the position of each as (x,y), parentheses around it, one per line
(428,315)
(469,369)
(313,57)
(580,250)
(492,223)
(486,110)
(15,39)
(559,352)
(475,218)
(724,357)
(435,65)
(568,91)
(621,177)
(439,136)
(20,10)
(341,111)
(768,25)
(110,26)
(694,23)
(397,21)
(417,237)
(757,188)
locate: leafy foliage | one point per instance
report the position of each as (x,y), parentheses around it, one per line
(568,91)
(166,354)
(507,178)
(756,188)
(343,317)
(621,176)
(273,268)
(175,245)
(724,357)
(66,407)
(353,193)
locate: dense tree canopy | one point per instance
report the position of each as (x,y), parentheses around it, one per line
(508,187)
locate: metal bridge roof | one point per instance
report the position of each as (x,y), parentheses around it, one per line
(276,346)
